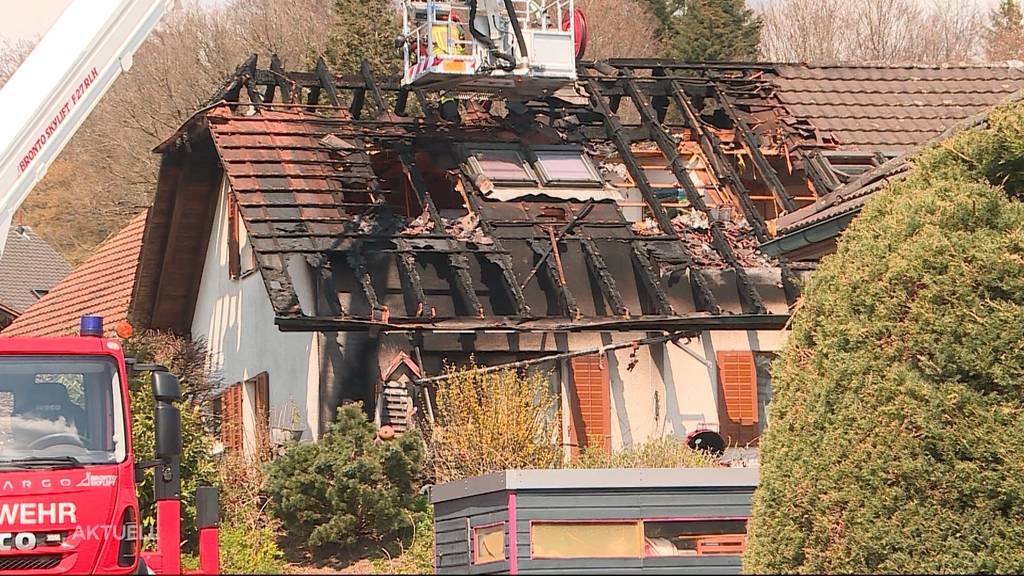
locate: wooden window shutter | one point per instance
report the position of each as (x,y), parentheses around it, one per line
(737,381)
(590,406)
(231,417)
(262,408)
(234,254)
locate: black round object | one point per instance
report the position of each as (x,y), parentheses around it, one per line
(706,440)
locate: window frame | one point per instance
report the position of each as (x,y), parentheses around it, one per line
(697,554)
(473,163)
(476,543)
(547,179)
(637,522)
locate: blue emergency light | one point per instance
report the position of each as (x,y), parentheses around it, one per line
(91,326)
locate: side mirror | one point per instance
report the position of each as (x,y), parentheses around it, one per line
(168,430)
(166,387)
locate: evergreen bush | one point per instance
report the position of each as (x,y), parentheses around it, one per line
(897,437)
(350,486)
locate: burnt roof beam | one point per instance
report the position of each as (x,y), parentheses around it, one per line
(752,142)
(669,147)
(371,85)
(407,266)
(541,248)
(503,260)
(358,264)
(614,130)
(458,262)
(651,280)
(605,279)
(326,82)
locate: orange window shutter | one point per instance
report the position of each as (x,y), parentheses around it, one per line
(737,377)
(234,254)
(593,398)
(231,417)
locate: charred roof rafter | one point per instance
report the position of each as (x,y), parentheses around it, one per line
(705,298)
(669,148)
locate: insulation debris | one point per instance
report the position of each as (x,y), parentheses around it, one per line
(694,228)
(467,229)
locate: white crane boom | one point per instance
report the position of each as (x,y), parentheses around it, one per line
(54,90)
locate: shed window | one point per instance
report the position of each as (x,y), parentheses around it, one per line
(489,543)
(586,540)
(566,167)
(502,166)
(695,537)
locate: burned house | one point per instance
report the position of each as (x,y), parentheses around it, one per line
(333,239)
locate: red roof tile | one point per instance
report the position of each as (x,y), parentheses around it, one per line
(101,285)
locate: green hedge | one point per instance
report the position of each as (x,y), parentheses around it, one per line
(897,437)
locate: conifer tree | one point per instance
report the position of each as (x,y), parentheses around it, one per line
(1005,36)
(712,30)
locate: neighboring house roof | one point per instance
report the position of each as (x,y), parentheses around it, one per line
(819,224)
(101,285)
(406,232)
(29,268)
(890,109)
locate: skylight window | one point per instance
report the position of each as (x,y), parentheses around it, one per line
(502,166)
(566,167)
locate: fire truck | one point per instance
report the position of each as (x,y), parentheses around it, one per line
(68,470)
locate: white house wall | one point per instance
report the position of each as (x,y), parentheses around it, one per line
(237,320)
(672,389)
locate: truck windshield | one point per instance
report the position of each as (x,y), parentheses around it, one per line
(60,411)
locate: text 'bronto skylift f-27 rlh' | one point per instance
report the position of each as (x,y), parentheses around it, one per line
(68,472)
(516,48)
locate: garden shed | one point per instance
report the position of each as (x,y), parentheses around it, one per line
(669,521)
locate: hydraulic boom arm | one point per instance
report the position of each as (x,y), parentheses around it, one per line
(55,89)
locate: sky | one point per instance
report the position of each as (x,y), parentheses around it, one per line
(28,19)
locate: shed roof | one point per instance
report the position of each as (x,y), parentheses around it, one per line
(607,478)
(29,268)
(101,285)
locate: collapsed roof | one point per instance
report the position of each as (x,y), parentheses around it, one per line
(656,181)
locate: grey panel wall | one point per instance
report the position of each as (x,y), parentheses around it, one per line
(453,523)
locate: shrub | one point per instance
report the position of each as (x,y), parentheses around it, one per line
(197,466)
(488,421)
(416,553)
(244,550)
(249,534)
(350,486)
(897,436)
(667,452)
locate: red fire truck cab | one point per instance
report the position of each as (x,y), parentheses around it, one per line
(68,472)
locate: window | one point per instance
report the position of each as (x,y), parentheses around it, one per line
(744,390)
(586,539)
(58,406)
(590,406)
(228,409)
(502,166)
(489,543)
(695,537)
(260,387)
(566,167)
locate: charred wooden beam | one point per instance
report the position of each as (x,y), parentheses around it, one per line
(371,86)
(650,278)
(723,167)
(327,82)
(541,248)
(502,261)
(458,262)
(669,147)
(280,81)
(605,279)
(407,266)
(402,102)
(358,264)
(752,142)
(614,131)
